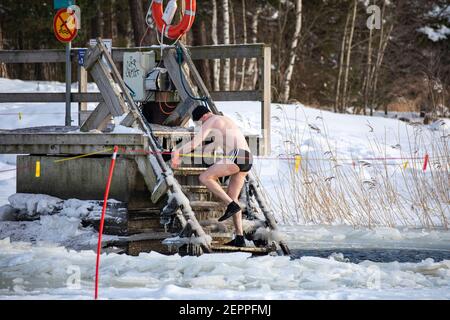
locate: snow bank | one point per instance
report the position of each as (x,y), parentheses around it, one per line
(7,213)
(35,204)
(435,34)
(51,220)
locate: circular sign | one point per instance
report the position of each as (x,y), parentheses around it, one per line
(65,25)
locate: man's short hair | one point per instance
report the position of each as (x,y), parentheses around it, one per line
(199,112)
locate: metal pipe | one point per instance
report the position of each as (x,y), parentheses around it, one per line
(68,84)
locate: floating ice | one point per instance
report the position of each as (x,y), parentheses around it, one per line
(45,270)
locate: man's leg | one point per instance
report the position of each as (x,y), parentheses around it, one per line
(234,190)
(220,169)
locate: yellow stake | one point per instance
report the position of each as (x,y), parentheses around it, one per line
(298,162)
(38,169)
(20,115)
(405,165)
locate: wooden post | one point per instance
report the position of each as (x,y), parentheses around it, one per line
(266,88)
(82,88)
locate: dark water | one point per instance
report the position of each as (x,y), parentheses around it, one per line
(376,255)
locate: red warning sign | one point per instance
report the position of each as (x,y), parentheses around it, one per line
(65,25)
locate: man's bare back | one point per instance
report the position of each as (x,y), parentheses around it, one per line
(225,133)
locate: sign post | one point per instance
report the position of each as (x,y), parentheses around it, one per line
(60,4)
(68,121)
(65,28)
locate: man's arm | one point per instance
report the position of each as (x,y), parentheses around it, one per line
(191,145)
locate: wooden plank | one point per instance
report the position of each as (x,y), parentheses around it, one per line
(56,97)
(84,115)
(226,51)
(82,87)
(198,79)
(148,174)
(70,144)
(49,97)
(98,118)
(170,62)
(182,113)
(129,120)
(266,83)
(110,92)
(237,95)
(69,150)
(159,191)
(132,108)
(134,139)
(32,56)
(92,57)
(198,53)
(253,250)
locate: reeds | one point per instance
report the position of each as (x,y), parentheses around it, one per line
(378,192)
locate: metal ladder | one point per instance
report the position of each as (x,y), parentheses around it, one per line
(118,102)
(114,91)
(252,182)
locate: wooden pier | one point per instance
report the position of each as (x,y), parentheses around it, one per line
(161,203)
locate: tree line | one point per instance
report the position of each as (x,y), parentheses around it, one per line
(323,52)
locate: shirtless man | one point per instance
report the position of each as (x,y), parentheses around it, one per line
(237,163)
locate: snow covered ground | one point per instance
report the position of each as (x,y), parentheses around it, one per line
(38,258)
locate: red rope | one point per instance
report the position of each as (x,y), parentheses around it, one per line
(425,162)
(102,220)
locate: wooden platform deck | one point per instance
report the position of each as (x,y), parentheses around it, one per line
(60,140)
(142,231)
(66,141)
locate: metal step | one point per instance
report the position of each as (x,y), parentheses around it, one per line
(189,171)
(170,132)
(202,205)
(199,189)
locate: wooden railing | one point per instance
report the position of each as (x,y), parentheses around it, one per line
(259,51)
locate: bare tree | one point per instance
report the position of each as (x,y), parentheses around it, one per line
(348,57)
(368,75)
(97,21)
(233,41)
(138,22)
(199,38)
(3,70)
(293,52)
(341,66)
(109,19)
(226,40)
(244,41)
(382,44)
(215,40)
(253,65)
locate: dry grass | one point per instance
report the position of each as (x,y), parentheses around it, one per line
(365,193)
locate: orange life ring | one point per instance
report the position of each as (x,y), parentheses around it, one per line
(174,31)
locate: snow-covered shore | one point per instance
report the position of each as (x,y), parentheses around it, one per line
(330,144)
(38,258)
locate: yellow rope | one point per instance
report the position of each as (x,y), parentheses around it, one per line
(84,155)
